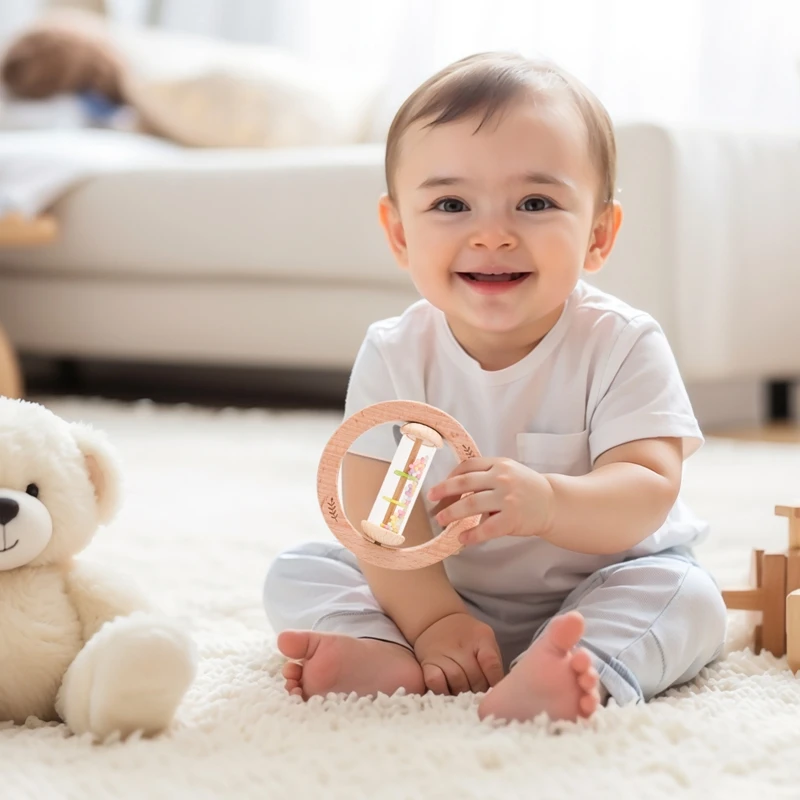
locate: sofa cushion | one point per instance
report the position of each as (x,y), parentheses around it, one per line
(300,213)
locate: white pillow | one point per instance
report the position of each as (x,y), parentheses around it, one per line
(210,93)
(62,111)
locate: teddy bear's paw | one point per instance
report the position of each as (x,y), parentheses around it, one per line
(141,677)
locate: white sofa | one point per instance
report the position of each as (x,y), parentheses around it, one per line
(275,258)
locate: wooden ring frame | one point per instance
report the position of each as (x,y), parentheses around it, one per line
(423,555)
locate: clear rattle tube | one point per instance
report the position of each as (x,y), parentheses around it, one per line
(403,483)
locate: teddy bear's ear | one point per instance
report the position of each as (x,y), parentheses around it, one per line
(103,468)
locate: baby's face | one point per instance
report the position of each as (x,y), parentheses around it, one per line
(519,197)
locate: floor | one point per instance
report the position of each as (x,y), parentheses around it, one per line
(788,432)
(211,498)
(218,387)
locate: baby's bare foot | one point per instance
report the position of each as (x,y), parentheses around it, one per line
(335,663)
(553,676)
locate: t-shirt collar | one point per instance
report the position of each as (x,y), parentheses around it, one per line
(521,368)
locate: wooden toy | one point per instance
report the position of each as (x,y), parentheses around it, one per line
(17,230)
(776,595)
(10,372)
(380,537)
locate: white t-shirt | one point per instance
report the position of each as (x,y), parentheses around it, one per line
(604,375)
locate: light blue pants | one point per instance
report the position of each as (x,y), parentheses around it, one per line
(652,622)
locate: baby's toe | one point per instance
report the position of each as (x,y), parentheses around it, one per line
(293,687)
(292,671)
(588,704)
(588,680)
(565,630)
(581,660)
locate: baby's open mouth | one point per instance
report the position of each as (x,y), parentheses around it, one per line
(489,277)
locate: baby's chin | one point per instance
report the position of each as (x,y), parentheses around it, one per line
(503,321)
(505,331)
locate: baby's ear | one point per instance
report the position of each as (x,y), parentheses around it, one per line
(103,468)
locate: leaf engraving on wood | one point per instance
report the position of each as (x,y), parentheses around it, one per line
(333,512)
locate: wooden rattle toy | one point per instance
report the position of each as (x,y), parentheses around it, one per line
(776,595)
(381,535)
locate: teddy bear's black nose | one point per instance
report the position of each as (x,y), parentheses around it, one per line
(8,510)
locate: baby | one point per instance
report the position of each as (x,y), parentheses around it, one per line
(579,583)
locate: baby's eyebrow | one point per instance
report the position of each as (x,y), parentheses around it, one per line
(541,178)
(440,180)
(544,178)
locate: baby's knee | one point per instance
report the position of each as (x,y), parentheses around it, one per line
(703,611)
(300,565)
(289,564)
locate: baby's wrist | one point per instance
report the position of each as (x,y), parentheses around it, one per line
(548,515)
(433,623)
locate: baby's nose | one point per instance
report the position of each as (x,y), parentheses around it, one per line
(493,236)
(8,510)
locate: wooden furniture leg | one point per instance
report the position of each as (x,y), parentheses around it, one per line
(10,373)
(793,630)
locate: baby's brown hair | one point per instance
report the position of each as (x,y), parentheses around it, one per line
(487,83)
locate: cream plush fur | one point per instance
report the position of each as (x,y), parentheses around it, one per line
(76,642)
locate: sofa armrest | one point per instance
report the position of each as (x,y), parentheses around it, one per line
(708,247)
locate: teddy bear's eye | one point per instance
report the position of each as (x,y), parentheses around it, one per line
(32,489)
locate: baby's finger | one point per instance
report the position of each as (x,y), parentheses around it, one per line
(492,528)
(473,465)
(472,505)
(491,664)
(473,468)
(443,504)
(434,679)
(472,669)
(456,677)
(461,485)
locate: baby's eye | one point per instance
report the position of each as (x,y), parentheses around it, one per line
(32,489)
(536,204)
(451,205)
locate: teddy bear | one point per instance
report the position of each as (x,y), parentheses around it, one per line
(65,51)
(195,91)
(77,642)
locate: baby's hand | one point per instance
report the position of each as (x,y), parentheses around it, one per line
(512,499)
(459,654)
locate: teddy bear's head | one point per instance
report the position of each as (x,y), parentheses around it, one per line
(65,51)
(58,482)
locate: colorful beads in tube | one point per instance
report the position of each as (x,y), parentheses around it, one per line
(402,484)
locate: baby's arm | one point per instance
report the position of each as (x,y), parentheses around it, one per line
(413,599)
(622,501)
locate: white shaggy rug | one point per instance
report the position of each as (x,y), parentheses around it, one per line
(212,497)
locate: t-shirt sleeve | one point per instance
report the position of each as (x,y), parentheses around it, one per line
(642,394)
(371,382)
